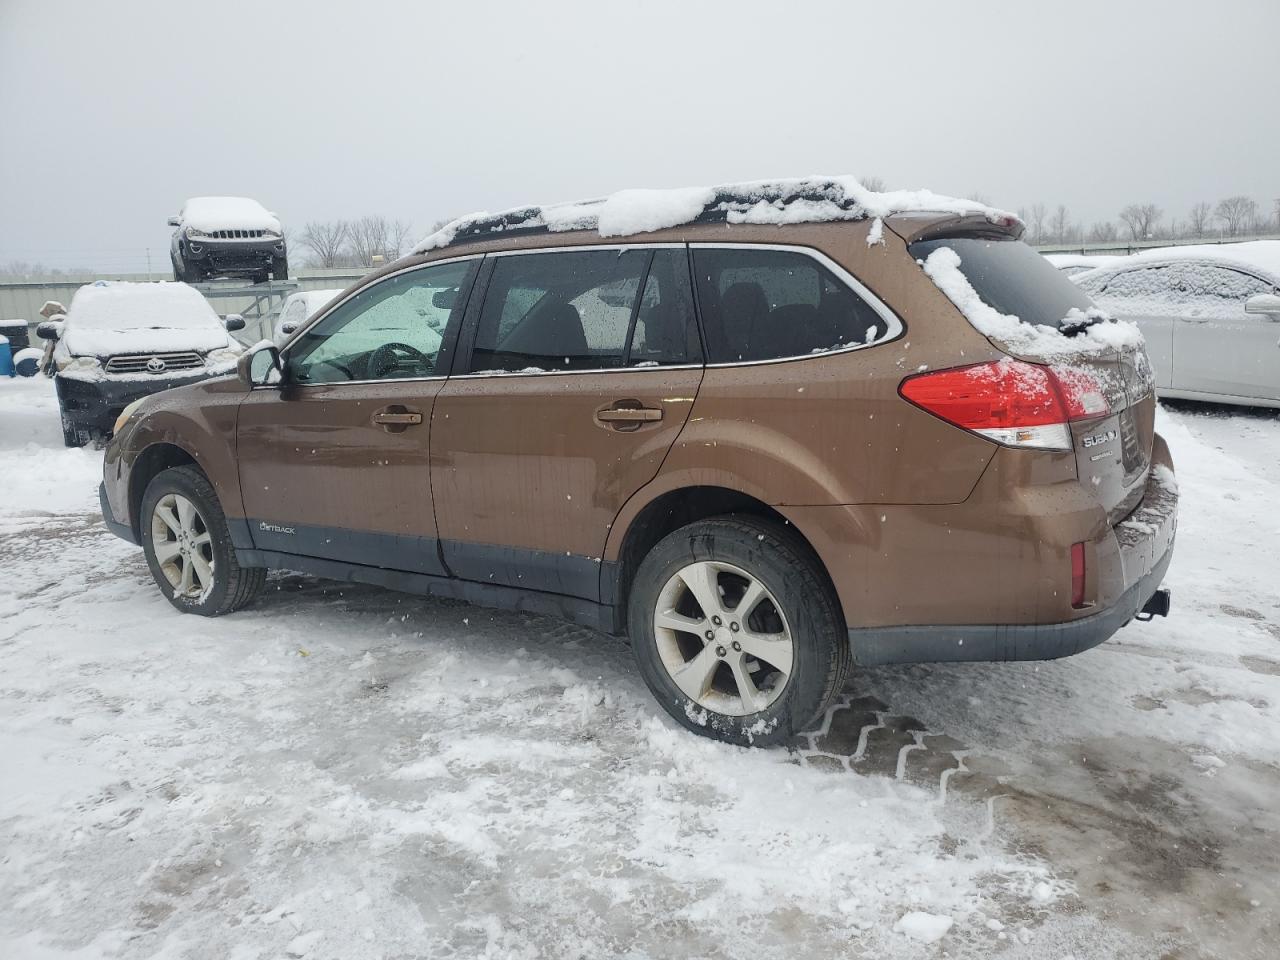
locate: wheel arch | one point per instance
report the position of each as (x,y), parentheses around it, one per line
(148,465)
(667,511)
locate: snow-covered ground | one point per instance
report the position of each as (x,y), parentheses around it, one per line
(344,772)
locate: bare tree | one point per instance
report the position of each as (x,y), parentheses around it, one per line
(1035,222)
(398,232)
(326,240)
(1060,224)
(1236,213)
(1141,219)
(1198,218)
(873,183)
(1102,231)
(375,237)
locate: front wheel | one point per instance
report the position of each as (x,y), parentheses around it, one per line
(737,631)
(188,546)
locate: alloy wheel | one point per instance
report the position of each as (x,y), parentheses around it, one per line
(723,638)
(183,546)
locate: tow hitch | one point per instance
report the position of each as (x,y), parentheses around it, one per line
(1157,606)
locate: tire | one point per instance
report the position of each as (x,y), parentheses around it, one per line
(280,268)
(796,597)
(230,585)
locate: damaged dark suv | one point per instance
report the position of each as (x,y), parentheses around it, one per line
(227,237)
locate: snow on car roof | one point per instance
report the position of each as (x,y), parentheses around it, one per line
(121,305)
(1090,261)
(1257,256)
(227,213)
(628,212)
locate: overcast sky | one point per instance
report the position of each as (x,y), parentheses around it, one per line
(111,114)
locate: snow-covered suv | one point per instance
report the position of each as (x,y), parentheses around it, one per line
(123,341)
(227,237)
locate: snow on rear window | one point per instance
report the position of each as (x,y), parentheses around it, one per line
(1039,335)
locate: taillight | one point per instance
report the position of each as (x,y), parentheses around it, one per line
(1009,401)
(1077,574)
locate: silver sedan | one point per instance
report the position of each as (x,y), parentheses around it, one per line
(1210,315)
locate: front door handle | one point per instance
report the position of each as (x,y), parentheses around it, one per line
(396,418)
(630,415)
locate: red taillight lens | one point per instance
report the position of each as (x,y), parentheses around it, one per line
(1077,574)
(1009,401)
(1082,394)
(1007,393)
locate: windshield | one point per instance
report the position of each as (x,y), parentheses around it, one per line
(1011,277)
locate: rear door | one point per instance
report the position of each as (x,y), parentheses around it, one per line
(1217,347)
(334,462)
(576,374)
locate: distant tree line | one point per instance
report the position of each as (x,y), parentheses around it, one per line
(355,243)
(1232,217)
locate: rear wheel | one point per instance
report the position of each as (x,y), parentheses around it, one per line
(736,630)
(188,546)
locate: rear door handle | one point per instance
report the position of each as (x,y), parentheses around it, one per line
(630,415)
(401,418)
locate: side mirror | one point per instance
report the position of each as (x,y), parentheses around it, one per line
(174,222)
(49,329)
(233,322)
(260,365)
(288,327)
(1267,304)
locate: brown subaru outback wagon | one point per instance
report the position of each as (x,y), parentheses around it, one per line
(768,433)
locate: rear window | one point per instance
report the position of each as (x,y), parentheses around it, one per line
(1011,277)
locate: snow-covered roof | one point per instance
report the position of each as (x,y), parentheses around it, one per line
(1088,261)
(227,213)
(628,212)
(1258,256)
(110,316)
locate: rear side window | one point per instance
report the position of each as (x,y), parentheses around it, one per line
(586,310)
(767,304)
(1011,277)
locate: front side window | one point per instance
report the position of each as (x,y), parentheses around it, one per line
(768,304)
(392,330)
(586,310)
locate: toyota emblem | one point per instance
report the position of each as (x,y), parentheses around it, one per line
(155,365)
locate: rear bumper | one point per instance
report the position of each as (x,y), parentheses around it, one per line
(1131,563)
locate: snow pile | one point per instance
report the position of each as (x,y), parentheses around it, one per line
(111,317)
(1177,285)
(925,927)
(817,199)
(227,213)
(1102,336)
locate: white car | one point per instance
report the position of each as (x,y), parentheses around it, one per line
(1073,263)
(121,341)
(1210,315)
(296,309)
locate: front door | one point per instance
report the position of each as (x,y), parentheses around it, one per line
(582,368)
(334,462)
(1217,347)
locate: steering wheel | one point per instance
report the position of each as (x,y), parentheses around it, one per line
(391,356)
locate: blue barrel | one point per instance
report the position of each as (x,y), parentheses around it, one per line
(6,358)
